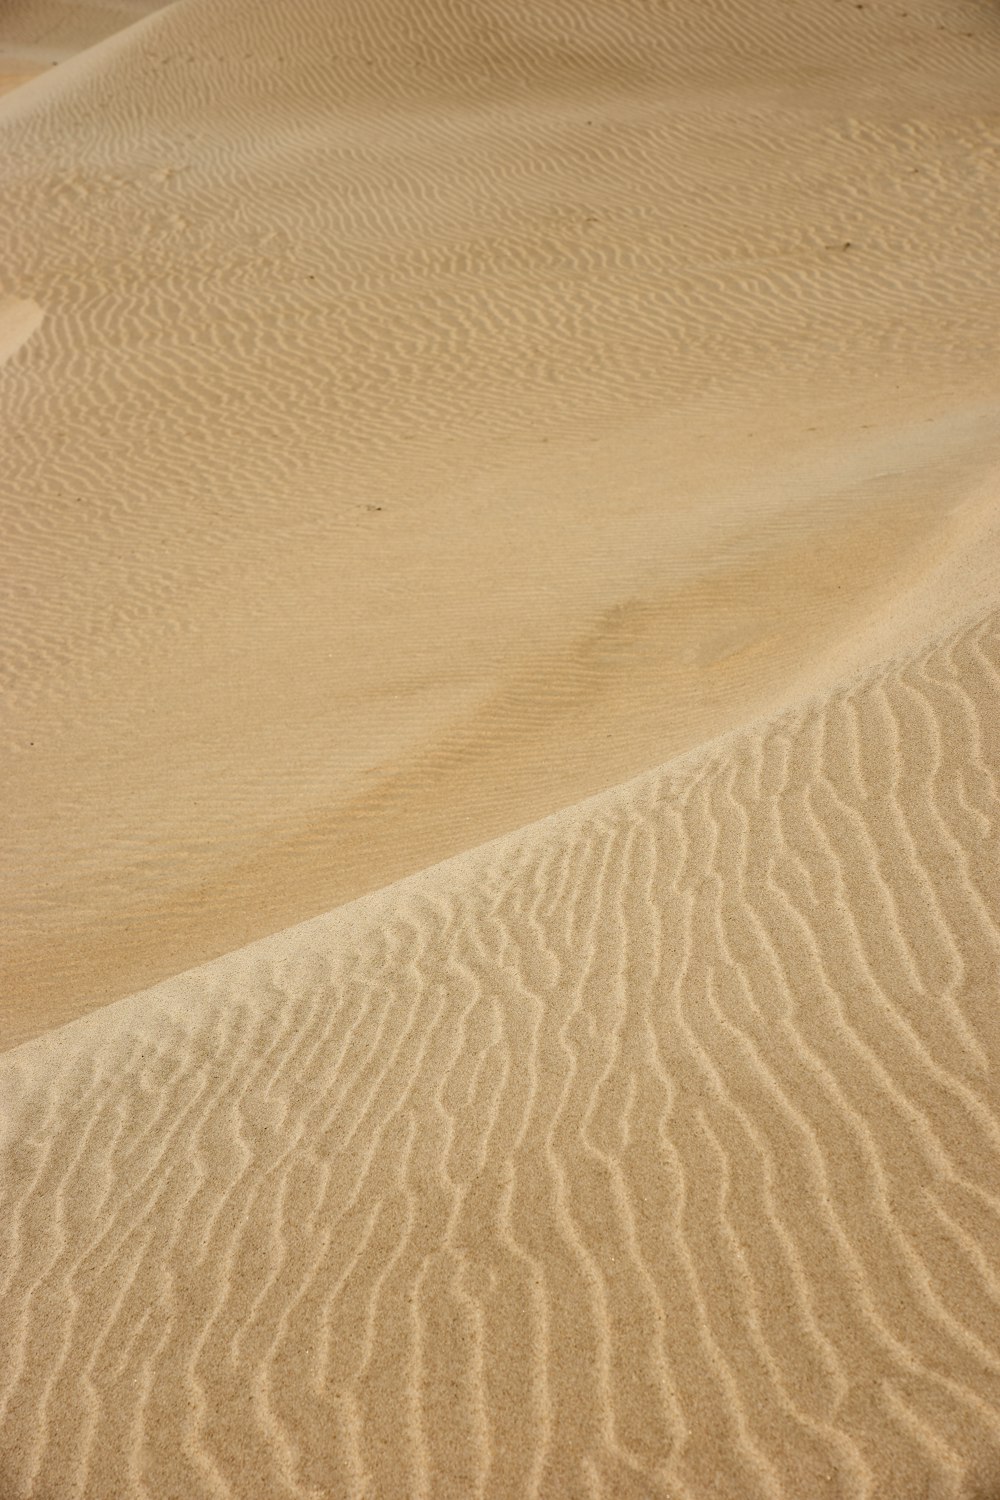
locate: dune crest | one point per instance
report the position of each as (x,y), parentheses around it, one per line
(444,412)
(651,1151)
(500,602)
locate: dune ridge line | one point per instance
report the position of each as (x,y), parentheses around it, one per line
(654,1156)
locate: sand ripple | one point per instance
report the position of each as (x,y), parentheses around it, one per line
(443,412)
(651,1151)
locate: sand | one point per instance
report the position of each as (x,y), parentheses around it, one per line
(501,645)
(36,35)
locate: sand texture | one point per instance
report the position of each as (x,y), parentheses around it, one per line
(654,1150)
(438,414)
(36,35)
(500,649)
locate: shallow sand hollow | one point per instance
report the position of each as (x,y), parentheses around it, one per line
(501,545)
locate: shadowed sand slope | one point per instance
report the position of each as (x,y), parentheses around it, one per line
(653,1150)
(419,416)
(37,34)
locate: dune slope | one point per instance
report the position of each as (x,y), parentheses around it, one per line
(653,1150)
(432,414)
(35,35)
(521,481)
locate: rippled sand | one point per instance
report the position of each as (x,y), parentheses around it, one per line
(500,544)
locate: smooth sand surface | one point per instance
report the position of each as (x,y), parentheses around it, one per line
(501,543)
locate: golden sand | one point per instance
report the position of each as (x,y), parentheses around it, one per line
(502,589)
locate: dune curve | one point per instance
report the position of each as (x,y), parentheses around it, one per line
(501,649)
(442,413)
(651,1150)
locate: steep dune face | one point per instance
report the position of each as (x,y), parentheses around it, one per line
(440,413)
(653,1150)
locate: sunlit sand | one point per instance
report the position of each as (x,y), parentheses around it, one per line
(501,908)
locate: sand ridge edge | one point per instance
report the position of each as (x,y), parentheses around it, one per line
(652,1150)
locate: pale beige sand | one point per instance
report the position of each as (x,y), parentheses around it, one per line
(16,70)
(441,413)
(36,35)
(653,1150)
(417,419)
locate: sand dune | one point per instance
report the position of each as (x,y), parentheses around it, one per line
(441,413)
(520,482)
(36,35)
(654,1150)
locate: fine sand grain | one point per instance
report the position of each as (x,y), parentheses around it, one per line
(36,35)
(501,630)
(654,1150)
(440,413)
